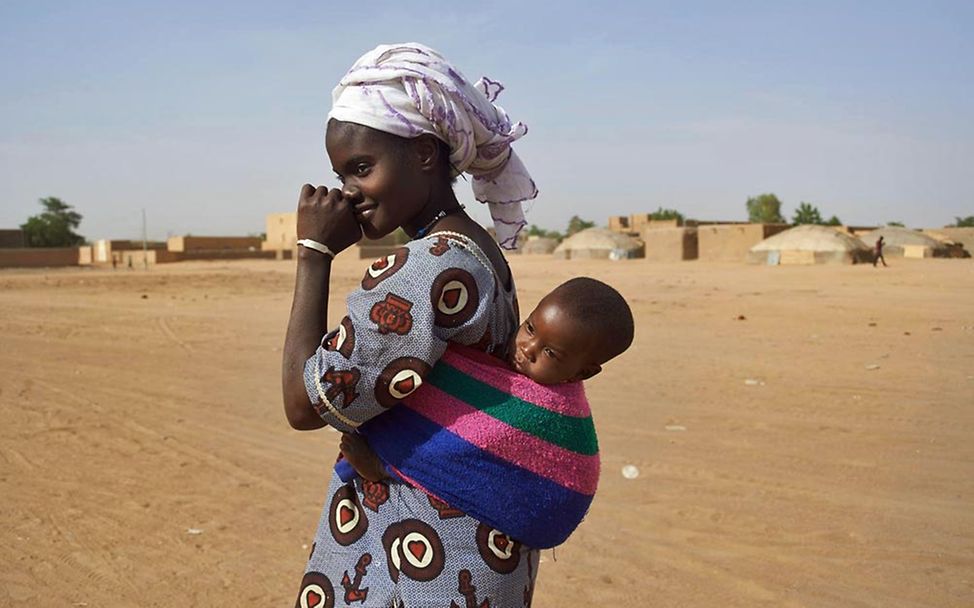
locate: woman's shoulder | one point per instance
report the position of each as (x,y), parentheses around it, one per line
(450,249)
(437,258)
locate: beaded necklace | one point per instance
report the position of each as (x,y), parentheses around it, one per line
(468,244)
(439,216)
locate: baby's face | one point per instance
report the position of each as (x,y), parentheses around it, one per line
(550,347)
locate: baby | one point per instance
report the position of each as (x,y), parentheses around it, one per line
(574,330)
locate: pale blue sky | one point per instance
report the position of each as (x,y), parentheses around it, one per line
(211,115)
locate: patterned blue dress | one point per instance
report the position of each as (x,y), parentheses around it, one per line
(387,543)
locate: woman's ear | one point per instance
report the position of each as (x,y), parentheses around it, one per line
(427,151)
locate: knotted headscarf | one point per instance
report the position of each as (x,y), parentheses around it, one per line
(410,89)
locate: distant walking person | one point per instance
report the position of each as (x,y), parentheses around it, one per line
(879,252)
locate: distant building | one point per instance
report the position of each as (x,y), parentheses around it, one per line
(282,236)
(810,244)
(908,243)
(538,245)
(669,244)
(953,236)
(282,232)
(181,244)
(12,238)
(103,250)
(598,243)
(44,257)
(732,242)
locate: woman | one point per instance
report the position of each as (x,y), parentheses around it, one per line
(404,122)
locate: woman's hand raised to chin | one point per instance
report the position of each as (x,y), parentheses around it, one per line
(326,216)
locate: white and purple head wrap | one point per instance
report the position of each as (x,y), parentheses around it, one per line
(410,89)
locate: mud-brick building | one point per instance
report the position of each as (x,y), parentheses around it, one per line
(728,242)
(670,244)
(12,238)
(282,230)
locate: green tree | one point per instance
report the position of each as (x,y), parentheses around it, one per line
(897,224)
(577,224)
(806,213)
(833,221)
(54,227)
(963,222)
(534,230)
(667,214)
(764,209)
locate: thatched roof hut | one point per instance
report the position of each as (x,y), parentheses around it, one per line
(810,244)
(539,244)
(599,243)
(900,241)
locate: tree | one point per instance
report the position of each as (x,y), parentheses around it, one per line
(764,209)
(897,224)
(807,214)
(55,227)
(833,221)
(577,224)
(534,230)
(963,222)
(667,214)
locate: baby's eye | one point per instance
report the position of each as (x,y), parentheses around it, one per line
(529,327)
(340,179)
(362,169)
(550,353)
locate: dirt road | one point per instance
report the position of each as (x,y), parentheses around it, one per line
(804,437)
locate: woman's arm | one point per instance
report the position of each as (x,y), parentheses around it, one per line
(304,331)
(327,218)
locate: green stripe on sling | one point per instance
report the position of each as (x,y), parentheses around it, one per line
(569,432)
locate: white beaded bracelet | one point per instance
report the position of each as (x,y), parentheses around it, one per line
(319,247)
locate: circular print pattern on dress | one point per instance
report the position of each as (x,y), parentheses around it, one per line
(346,518)
(400,379)
(316,592)
(454,297)
(384,267)
(414,548)
(500,551)
(343,338)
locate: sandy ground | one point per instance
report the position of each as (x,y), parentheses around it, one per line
(136,406)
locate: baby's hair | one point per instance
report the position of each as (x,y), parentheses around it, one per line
(603,309)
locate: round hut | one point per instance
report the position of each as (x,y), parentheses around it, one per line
(539,245)
(599,243)
(899,241)
(810,244)
(955,249)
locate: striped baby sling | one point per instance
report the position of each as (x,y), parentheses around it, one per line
(511,453)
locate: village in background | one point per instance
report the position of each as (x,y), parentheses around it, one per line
(660,236)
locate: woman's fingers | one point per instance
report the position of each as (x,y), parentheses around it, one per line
(318,194)
(325,216)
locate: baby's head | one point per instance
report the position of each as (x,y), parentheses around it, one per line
(573,331)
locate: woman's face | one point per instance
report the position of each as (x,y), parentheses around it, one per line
(380,176)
